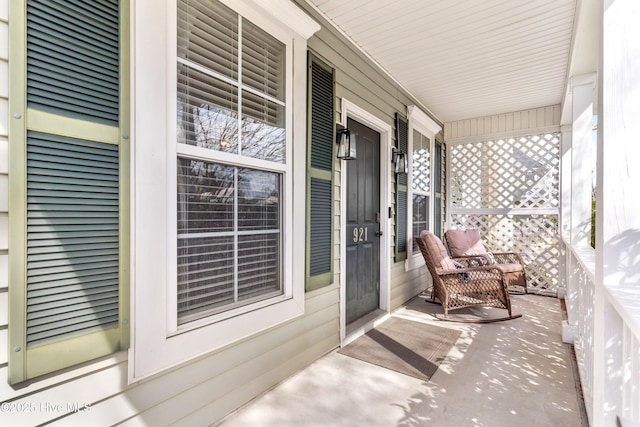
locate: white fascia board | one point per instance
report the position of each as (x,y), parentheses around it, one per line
(290,15)
(415,113)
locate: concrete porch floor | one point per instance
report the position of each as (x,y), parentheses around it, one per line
(512,373)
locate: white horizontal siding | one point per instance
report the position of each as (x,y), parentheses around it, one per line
(204,390)
(257,376)
(4,227)
(4,340)
(511,124)
(51,403)
(255,385)
(406,285)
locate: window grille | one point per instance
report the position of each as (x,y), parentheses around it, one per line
(230,99)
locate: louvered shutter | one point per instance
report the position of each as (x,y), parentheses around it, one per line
(71,300)
(73,59)
(72,237)
(320,253)
(402,141)
(321,142)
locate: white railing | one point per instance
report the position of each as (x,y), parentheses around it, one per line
(609,367)
(580,311)
(622,355)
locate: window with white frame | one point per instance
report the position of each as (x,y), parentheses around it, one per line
(420,185)
(217,176)
(425,192)
(231,99)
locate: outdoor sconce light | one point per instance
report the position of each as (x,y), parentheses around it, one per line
(399,159)
(346,143)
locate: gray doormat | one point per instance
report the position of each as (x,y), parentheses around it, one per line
(411,348)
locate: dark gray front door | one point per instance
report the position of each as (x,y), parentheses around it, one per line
(363,223)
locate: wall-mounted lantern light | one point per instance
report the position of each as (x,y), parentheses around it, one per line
(346,143)
(399,159)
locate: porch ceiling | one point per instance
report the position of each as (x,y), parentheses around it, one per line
(465,58)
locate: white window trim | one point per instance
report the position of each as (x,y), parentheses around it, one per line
(211,156)
(156,343)
(421,122)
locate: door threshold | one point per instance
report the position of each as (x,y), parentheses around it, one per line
(361,326)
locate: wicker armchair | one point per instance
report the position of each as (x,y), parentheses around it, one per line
(461,286)
(467,243)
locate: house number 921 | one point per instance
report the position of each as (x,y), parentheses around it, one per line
(360,234)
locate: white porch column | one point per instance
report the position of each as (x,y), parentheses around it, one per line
(582,95)
(568,282)
(618,216)
(565,182)
(576,189)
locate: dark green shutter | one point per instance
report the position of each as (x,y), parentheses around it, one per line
(73,210)
(322,117)
(320,253)
(321,124)
(72,237)
(402,142)
(73,58)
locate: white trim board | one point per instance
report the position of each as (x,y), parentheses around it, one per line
(353,111)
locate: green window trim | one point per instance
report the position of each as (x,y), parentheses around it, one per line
(320,186)
(28,361)
(401,192)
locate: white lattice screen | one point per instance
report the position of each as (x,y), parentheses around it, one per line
(508,189)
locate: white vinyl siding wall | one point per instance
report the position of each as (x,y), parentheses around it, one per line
(525,122)
(199,393)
